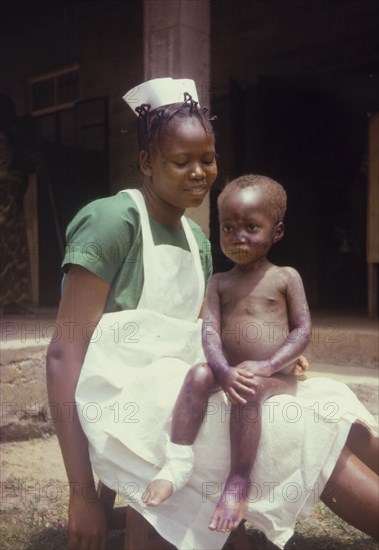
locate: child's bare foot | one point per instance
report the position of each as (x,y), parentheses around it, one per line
(174,475)
(231,506)
(157,492)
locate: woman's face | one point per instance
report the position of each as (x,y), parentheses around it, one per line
(182,167)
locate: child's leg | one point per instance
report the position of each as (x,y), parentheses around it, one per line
(191,404)
(245,431)
(188,414)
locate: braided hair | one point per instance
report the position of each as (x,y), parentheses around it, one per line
(152,124)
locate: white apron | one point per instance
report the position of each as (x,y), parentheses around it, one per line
(116,388)
(132,374)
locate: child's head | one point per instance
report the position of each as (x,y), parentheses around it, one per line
(251,212)
(273,193)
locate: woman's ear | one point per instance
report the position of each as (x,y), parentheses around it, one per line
(279,231)
(144,162)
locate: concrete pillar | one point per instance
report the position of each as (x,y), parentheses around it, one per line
(177,44)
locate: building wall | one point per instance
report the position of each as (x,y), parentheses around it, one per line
(292,84)
(251,38)
(308,39)
(289,78)
(105,38)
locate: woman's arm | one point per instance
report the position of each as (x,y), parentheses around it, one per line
(82,304)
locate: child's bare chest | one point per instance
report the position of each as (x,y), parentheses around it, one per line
(254,298)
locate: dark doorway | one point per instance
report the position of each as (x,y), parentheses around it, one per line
(311,135)
(74,145)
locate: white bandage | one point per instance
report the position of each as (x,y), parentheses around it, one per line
(178,467)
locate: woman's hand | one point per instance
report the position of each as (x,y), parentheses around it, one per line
(87,524)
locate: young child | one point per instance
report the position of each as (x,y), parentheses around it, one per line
(256,325)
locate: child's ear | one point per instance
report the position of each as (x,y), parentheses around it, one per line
(279,231)
(144,162)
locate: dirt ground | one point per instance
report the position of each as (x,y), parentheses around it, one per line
(34,502)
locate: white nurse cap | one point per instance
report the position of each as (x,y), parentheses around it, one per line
(160,92)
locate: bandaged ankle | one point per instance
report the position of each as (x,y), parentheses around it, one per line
(178,466)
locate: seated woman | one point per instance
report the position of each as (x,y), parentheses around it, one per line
(129,331)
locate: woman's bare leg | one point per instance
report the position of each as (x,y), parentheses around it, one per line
(364,445)
(352,492)
(188,415)
(245,432)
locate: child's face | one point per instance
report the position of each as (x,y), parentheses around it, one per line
(183,167)
(247,229)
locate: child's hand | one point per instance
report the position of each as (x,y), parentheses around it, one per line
(236,383)
(257,368)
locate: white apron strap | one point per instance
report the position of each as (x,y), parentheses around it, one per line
(149,247)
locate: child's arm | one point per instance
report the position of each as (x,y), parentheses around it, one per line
(233,381)
(299,323)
